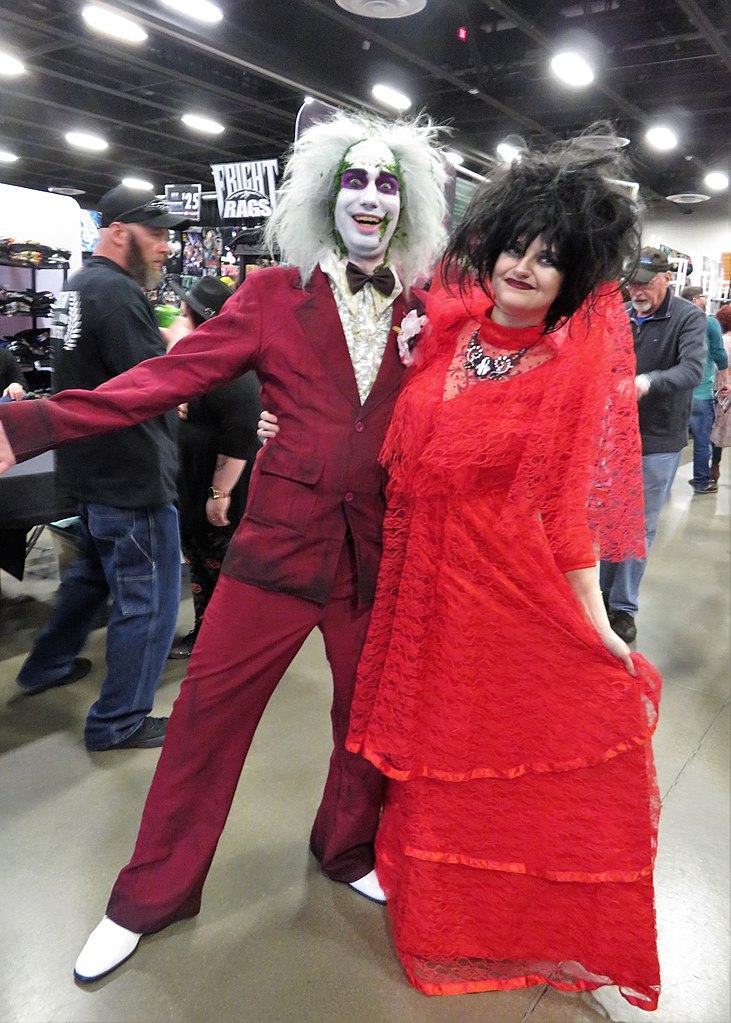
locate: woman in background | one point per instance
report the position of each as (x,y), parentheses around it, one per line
(13,384)
(721,430)
(217,445)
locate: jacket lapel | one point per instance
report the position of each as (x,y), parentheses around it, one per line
(391,371)
(319,321)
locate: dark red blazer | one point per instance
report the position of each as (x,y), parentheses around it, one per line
(311,486)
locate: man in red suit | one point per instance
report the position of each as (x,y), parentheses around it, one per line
(359,218)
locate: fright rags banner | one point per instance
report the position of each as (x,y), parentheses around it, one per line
(246,190)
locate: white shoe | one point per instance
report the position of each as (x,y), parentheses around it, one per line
(370,887)
(106,948)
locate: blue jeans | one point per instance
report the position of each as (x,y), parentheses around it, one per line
(620,580)
(701,424)
(134,555)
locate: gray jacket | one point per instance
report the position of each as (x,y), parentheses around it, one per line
(670,348)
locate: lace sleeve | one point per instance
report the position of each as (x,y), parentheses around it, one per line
(583,462)
(616,511)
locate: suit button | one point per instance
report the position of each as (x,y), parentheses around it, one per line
(359,427)
(348,497)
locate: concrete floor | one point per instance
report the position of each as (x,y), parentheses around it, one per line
(275,940)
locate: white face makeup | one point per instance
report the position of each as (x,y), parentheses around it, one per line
(368,203)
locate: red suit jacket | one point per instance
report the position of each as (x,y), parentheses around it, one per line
(311,486)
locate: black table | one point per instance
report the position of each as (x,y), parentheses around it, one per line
(28,498)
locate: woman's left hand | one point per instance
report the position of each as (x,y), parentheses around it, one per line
(619,648)
(267,427)
(217,510)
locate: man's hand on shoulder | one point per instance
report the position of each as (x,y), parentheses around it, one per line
(7,458)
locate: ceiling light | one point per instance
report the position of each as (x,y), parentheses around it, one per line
(109,23)
(473,92)
(382,8)
(10,66)
(83,140)
(7,157)
(137,183)
(201,10)
(572,68)
(391,97)
(661,137)
(204,124)
(507,152)
(454,158)
(687,198)
(65,190)
(610,141)
(717,181)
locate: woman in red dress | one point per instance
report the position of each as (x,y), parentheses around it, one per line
(518,837)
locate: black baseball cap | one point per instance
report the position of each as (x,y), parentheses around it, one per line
(136,206)
(206,296)
(651,262)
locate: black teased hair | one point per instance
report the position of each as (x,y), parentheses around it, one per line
(571,194)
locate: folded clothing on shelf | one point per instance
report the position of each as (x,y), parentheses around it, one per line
(32,254)
(30,346)
(25,303)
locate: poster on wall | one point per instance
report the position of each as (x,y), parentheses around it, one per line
(246,191)
(192,263)
(184,200)
(212,251)
(91,221)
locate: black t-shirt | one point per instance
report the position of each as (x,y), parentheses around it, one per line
(222,422)
(10,371)
(104,325)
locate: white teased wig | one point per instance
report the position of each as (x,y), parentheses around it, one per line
(301,227)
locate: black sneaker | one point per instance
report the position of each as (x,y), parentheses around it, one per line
(624,625)
(149,735)
(184,648)
(710,488)
(79,669)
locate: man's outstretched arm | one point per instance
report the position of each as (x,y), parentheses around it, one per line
(218,351)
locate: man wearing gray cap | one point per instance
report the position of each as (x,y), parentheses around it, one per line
(670,348)
(124,483)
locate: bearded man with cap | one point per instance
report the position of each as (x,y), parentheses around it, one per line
(124,484)
(359,219)
(670,349)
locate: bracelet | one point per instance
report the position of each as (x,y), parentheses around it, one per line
(215,494)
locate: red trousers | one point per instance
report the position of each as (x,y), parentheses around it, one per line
(248,639)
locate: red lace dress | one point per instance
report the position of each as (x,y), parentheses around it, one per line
(518,837)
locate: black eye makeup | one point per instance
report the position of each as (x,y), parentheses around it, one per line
(548,258)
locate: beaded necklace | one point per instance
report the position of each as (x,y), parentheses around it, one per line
(489,367)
